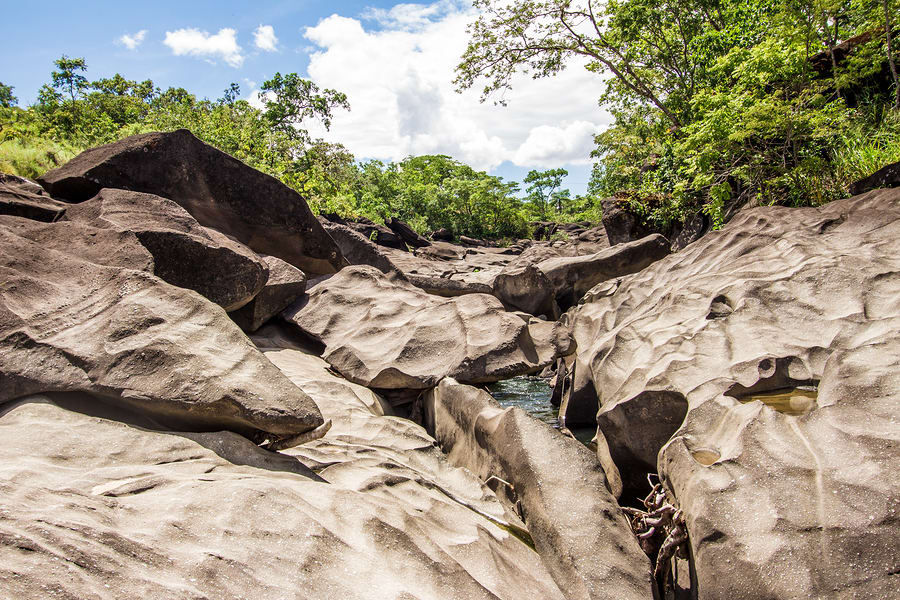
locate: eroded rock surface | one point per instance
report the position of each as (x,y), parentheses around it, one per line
(778,336)
(95,508)
(383,332)
(22,197)
(185,253)
(218,190)
(372,510)
(557,484)
(286,283)
(70,324)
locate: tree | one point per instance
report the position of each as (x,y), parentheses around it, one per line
(7,100)
(69,78)
(656,51)
(290,99)
(544,193)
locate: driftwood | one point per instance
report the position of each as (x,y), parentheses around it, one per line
(661,532)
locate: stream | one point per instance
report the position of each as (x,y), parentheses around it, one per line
(532,394)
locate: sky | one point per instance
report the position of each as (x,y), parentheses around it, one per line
(394,61)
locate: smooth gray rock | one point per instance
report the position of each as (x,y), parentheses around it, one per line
(71,325)
(556,483)
(383,332)
(780,333)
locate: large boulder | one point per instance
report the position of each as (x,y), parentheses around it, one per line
(556,483)
(69,324)
(218,190)
(22,197)
(525,287)
(558,282)
(406,233)
(286,283)
(357,249)
(185,253)
(96,507)
(775,341)
(383,332)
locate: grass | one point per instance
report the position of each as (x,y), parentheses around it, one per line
(32,157)
(864,151)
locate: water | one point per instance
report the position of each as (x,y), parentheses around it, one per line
(790,401)
(532,394)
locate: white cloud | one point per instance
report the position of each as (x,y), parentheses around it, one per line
(413,16)
(548,145)
(264,38)
(194,42)
(132,41)
(398,79)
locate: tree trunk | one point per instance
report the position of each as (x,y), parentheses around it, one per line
(890,53)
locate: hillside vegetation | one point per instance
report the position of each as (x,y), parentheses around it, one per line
(716,104)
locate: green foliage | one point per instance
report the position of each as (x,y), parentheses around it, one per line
(716,102)
(428,192)
(544,193)
(7,100)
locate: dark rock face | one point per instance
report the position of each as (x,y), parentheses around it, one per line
(885,177)
(622,226)
(558,485)
(382,332)
(378,234)
(406,233)
(68,324)
(185,254)
(442,235)
(286,283)
(20,197)
(357,249)
(618,222)
(779,332)
(219,191)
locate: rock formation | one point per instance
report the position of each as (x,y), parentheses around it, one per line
(556,483)
(371,511)
(382,332)
(542,288)
(219,191)
(775,341)
(70,324)
(286,283)
(20,197)
(184,253)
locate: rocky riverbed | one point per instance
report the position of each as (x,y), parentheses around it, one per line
(208,392)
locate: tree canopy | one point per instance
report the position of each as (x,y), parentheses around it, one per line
(716,102)
(430,192)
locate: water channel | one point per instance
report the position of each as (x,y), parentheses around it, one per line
(532,394)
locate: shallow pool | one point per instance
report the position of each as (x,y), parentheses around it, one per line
(532,394)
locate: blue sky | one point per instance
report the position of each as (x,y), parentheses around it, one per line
(394,61)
